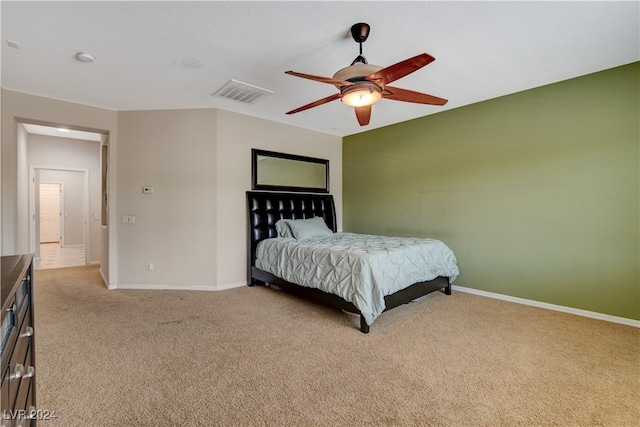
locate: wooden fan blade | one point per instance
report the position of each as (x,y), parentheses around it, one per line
(363,114)
(405,95)
(316,103)
(337,83)
(401,69)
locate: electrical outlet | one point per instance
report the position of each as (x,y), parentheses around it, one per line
(150,266)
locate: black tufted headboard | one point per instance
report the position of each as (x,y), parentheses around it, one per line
(265,208)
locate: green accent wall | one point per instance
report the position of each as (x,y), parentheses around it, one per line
(537,193)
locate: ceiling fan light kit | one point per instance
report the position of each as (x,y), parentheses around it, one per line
(361,95)
(362,85)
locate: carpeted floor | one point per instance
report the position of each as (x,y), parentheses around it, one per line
(258,357)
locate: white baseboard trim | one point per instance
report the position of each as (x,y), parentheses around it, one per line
(94,262)
(176,288)
(164,287)
(104,278)
(554,307)
(231,286)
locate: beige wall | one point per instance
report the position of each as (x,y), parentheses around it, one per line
(173,151)
(237,135)
(19,107)
(21,229)
(194,227)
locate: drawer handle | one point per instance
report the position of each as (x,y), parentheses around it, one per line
(32,413)
(31,371)
(17,372)
(27,333)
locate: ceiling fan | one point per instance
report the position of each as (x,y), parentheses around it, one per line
(362,84)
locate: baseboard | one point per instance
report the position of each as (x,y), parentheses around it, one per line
(94,263)
(231,286)
(104,278)
(554,307)
(164,287)
(177,288)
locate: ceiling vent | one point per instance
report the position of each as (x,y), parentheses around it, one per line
(241,92)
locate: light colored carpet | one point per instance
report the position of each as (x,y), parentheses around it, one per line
(255,356)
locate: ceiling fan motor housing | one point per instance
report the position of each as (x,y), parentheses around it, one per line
(356,72)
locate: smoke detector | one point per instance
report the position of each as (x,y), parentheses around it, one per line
(85,57)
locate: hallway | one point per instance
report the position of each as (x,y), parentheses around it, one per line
(54,256)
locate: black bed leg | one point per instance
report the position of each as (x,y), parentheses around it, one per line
(364,328)
(447,289)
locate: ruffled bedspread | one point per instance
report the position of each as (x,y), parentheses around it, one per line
(360,268)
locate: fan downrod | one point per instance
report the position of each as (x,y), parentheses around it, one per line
(360,32)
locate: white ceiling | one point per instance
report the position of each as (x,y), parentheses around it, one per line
(174,55)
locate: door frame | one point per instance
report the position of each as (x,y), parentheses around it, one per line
(35,248)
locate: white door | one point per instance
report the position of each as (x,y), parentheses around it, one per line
(49,213)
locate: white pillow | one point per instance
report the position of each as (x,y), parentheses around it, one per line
(283,229)
(311,227)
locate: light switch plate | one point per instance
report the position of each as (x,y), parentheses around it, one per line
(128,219)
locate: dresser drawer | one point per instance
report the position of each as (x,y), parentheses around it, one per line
(13,377)
(24,390)
(22,293)
(10,325)
(23,342)
(15,317)
(18,352)
(5,401)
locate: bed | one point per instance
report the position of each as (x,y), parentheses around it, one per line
(266,209)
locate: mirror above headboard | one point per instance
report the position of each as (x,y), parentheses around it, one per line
(274,171)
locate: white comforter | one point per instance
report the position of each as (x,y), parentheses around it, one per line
(360,268)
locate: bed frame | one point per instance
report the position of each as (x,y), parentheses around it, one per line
(266,208)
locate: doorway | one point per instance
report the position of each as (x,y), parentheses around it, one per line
(77,150)
(50,210)
(53,254)
(61,212)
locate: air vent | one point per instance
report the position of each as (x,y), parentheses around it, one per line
(241,92)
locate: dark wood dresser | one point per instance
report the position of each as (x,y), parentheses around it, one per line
(18,349)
